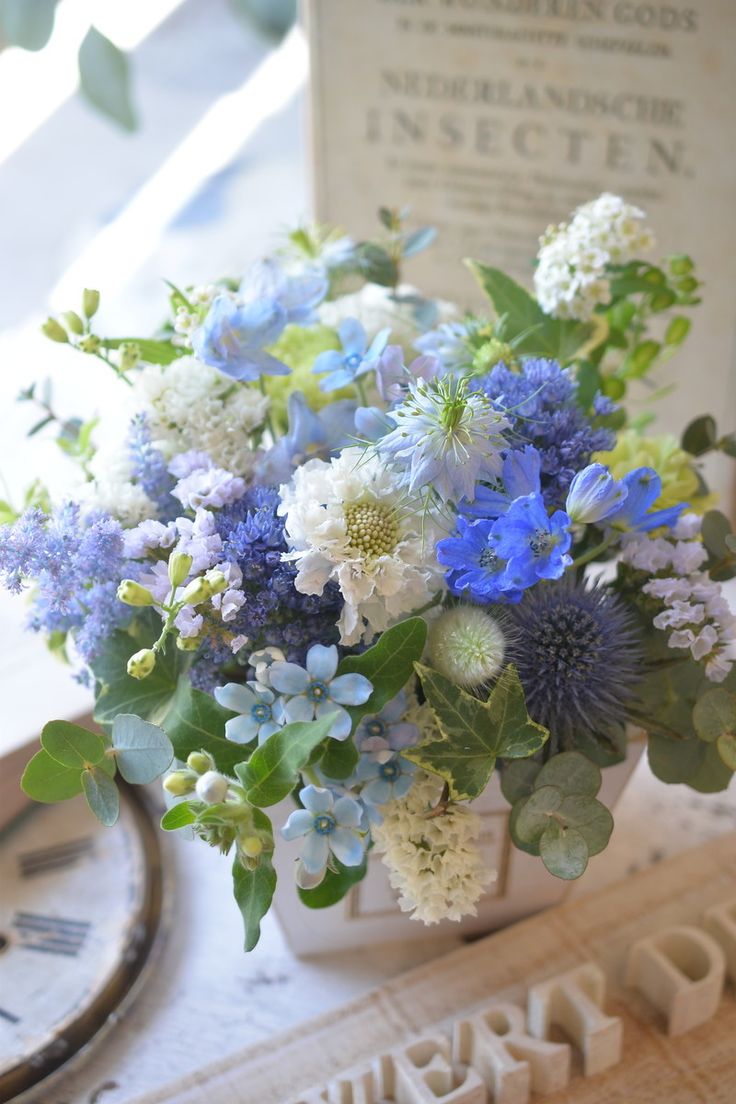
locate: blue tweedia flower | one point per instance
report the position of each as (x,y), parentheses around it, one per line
(150,469)
(232,338)
(313,691)
(384,781)
(298,295)
(643,487)
(578,655)
(594,495)
(449,343)
(540,400)
(475,569)
(446,438)
(261,713)
(534,544)
(329,826)
(381,734)
(343,366)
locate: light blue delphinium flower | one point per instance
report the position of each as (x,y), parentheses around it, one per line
(446,438)
(476,569)
(297,294)
(341,367)
(643,487)
(310,434)
(315,692)
(534,544)
(328,825)
(594,494)
(261,712)
(232,338)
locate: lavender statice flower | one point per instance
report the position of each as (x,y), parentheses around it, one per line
(540,400)
(149,468)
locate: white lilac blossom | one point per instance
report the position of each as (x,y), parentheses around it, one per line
(317,691)
(329,826)
(349,523)
(571,277)
(260,712)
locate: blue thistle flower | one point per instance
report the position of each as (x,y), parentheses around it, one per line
(578,655)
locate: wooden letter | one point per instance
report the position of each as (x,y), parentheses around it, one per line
(573,1001)
(421,1073)
(720,920)
(495,1043)
(681,970)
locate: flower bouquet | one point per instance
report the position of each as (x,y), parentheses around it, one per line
(358,549)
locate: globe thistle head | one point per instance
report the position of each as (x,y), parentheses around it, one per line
(466,645)
(578,655)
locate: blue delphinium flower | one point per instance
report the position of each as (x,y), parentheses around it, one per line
(534,544)
(314,691)
(261,713)
(232,338)
(476,569)
(578,654)
(520,475)
(643,487)
(310,434)
(297,294)
(445,437)
(341,367)
(541,402)
(150,469)
(594,495)
(328,825)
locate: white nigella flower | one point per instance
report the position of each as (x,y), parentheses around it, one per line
(347,521)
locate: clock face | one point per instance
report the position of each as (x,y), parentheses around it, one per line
(79,910)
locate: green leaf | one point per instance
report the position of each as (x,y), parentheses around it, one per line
(254,889)
(334,885)
(700,435)
(102,795)
(104,78)
(340,759)
(273,769)
(571,773)
(376,264)
(715,528)
(534,812)
(590,818)
(152,352)
(713,775)
(531,847)
(46,780)
(675,760)
(517,779)
(143,751)
(518,735)
(726,745)
(714,714)
(71,745)
(388,665)
(563,850)
(149,698)
(418,240)
(27,23)
(178,816)
(195,722)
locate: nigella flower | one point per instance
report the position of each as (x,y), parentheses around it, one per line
(232,338)
(384,733)
(594,495)
(316,692)
(643,488)
(343,366)
(534,544)
(328,826)
(393,376)
(578,655)
(298,295)
(446,438)
(448,342)
(261,713)
(476,569)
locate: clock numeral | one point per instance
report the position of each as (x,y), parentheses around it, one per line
(47,859)
(8,1016)
(51,934)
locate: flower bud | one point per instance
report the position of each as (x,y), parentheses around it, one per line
(251,846)
(188,643)
(141,663)
(200,761)
(180,565)
(211,787)
(133,594)
(90,343)
(466,645)
(55,331)
(216,581)
(90,302)
(199,590)
(179,783)
(74,322)
(130,354)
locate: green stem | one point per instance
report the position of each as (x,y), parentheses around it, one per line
(586,557)
(269,420)
(116,370)
(360,388)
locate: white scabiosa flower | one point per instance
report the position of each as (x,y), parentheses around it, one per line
(466,645)
(348,522)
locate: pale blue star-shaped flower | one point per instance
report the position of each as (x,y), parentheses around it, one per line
(329,826)
(341,367)
(384,781)
(232,338)
(314,691)
(298,294)
(261,713)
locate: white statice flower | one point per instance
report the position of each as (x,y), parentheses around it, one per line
(112,487)
(571,279)
(192,406)
(434,862)
(348,521)
(376,310)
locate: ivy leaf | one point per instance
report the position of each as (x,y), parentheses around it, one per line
(104,78)
(47,780)
(273,769)
(388,665)
(71,745)
(334,885)
(714,715)
(564,852)
(254,889)
(102,795)
(178,816)
(143,750)
(518,735)
(195,722)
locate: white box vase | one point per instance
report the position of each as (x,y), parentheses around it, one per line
(369,912)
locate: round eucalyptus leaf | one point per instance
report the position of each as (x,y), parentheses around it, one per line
(726,745)
(47,780)
(71,745)
(675,760)
(517,779)
(143,750)
(535,811)
(714,714)
(590,818)
(102,795)
(571,772)
(530,848)
(564,851)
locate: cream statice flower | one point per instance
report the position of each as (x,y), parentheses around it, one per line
(376,310)
(570,279)
(192,406)
(348,521)
(433,861)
